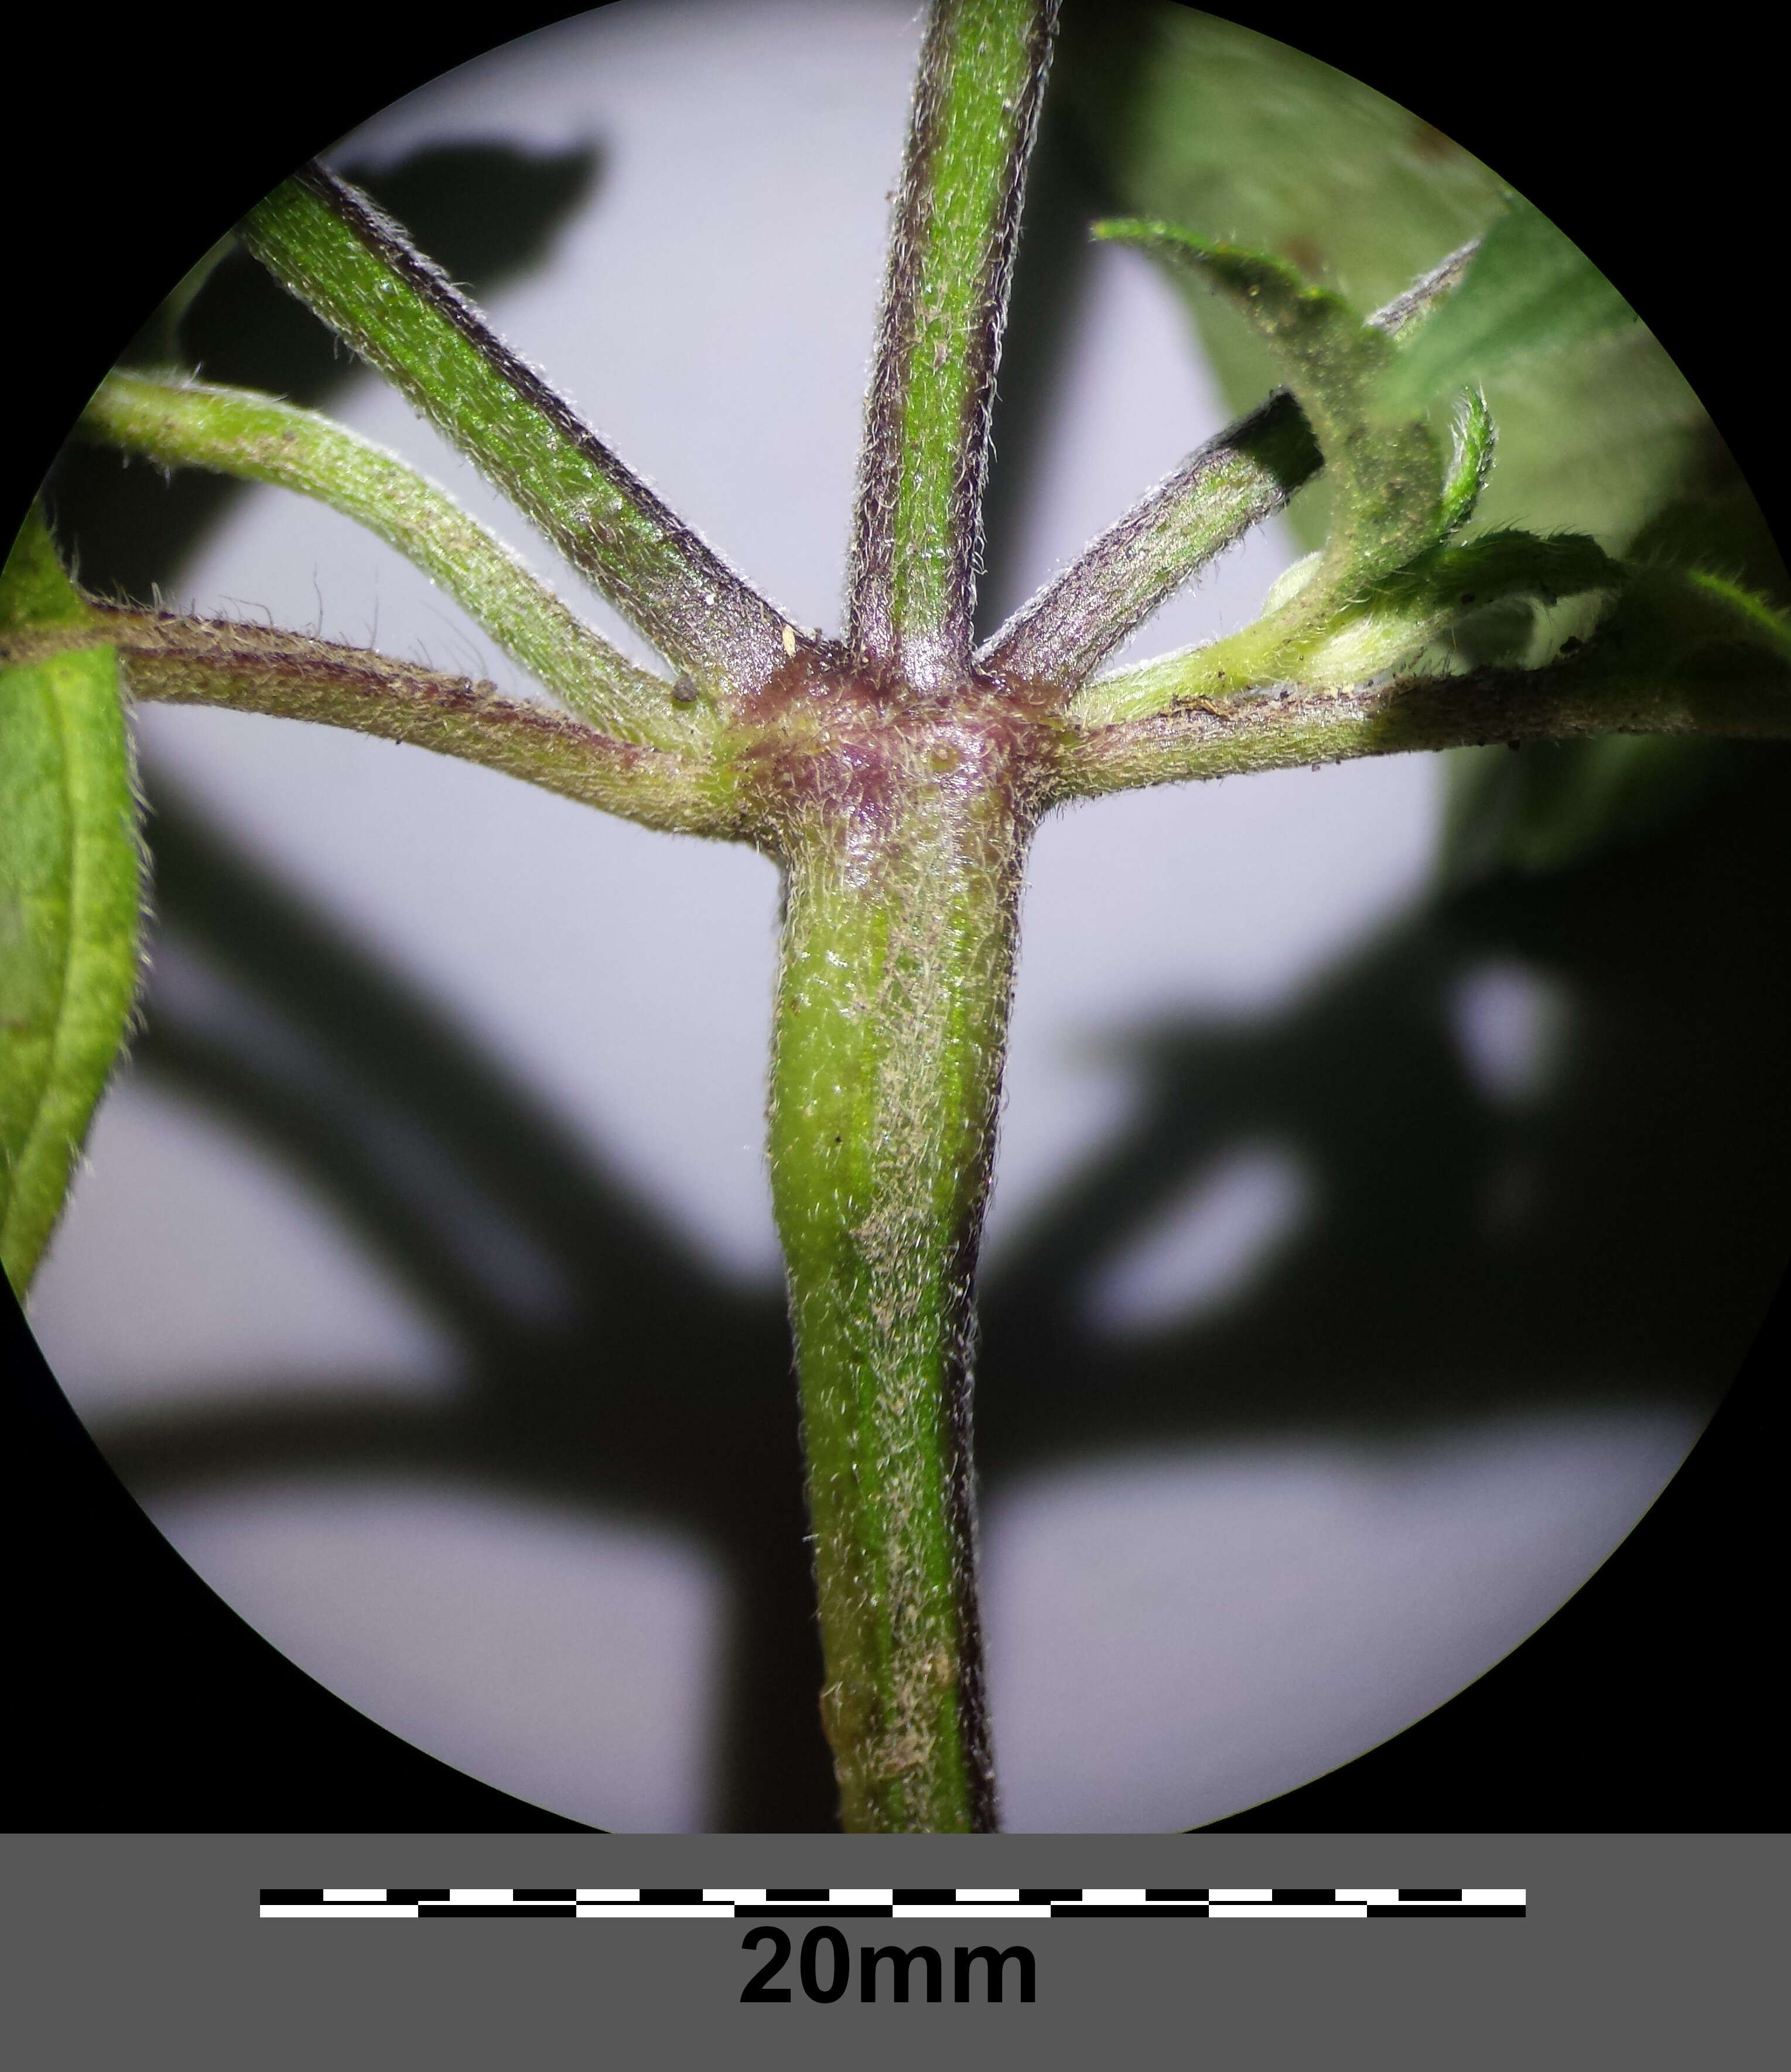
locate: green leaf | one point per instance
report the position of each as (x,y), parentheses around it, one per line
(1385,586)
(1714,525)
(69,891)
(1420,606)
(1386,476)
(1691,624)
(1471,464)
(1711,599)
(1454,606)
(1201,121)
(1558,804)
(1528,292)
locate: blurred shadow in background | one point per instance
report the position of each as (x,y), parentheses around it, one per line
(1526,1153)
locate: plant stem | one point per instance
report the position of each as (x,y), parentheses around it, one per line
(917,533)
(257,438)
(1217,495)
(901,897)
(1281,729)
(354,268)
(169,659)
(1221,490)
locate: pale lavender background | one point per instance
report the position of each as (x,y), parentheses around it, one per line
(1173,1636)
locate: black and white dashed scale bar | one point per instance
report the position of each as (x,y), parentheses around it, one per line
(897,1903)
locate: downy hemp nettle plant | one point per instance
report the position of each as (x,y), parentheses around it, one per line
(896,772)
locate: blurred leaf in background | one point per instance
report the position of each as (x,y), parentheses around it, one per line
(1213,127)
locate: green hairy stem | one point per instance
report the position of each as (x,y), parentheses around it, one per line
(172,661)
(1219,492)
(1222,489)
(903,851)
(1299,724)
(187,424)
(917,532)
(340,256)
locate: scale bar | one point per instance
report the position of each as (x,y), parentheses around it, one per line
(897,1903)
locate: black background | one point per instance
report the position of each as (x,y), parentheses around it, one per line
(140,1701)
